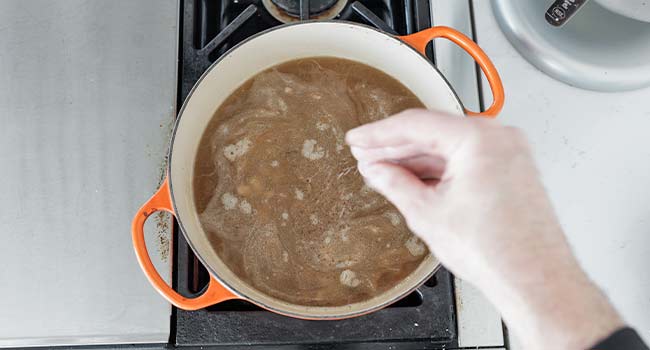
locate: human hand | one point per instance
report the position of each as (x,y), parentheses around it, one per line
(470,190)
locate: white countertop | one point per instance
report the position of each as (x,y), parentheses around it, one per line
(87,98)
(593,150)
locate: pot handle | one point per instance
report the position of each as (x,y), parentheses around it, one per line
(214,293)
(420,40)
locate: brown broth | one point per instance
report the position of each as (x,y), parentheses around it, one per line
(278,192)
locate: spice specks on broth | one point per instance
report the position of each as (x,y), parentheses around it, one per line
(278,192)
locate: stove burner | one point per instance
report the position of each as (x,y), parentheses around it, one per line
(293,7)
(287,11)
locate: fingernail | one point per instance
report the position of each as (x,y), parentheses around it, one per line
(356,151)
(349,137)
(368,170)
(363,168)
(372,174)
(355,137)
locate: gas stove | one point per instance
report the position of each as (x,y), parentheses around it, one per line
(424,319)
(210,28)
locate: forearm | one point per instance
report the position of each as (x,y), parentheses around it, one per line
(555,307)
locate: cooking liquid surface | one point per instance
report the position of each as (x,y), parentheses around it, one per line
(278,192)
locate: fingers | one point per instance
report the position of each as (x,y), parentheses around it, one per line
(424,167)
(377,154)
(400,186)
(440,133)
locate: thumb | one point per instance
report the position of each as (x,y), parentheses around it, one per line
(400,186)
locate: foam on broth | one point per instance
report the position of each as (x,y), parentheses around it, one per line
(278,192)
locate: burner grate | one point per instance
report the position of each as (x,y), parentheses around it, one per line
(214,27)
(425,318)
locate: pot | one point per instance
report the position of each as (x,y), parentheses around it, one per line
(400,57)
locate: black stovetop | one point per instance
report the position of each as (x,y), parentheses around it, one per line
(423,320)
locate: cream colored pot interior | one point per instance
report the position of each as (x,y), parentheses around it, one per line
(337,39)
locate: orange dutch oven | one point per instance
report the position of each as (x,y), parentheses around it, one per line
(400,57)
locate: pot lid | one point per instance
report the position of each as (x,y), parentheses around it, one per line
(596,50)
